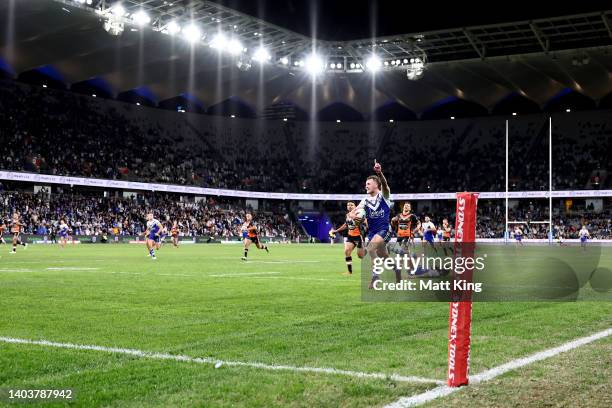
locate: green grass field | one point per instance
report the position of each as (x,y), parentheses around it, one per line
(290,307)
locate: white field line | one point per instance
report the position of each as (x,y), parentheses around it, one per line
(487,375)
(72,268)
(15,270)
(210,360)
(231,275)
(302,278)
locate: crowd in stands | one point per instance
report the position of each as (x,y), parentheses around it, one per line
(63,133)
(88,214)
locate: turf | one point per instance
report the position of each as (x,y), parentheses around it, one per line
(290,307)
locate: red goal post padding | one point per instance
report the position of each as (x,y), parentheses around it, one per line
(460,319)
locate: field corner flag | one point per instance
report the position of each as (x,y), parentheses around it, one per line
(460,317)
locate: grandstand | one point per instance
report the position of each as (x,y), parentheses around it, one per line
(195,114)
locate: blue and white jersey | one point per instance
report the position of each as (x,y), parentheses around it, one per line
(154,227)
(63,230)
(584,234)
(518,234)
(428,231)
(378,213)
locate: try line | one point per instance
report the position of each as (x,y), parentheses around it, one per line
(209,360)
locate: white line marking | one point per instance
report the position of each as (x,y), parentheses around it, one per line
(172,274)
(302,278)
(72,268)
(282,262)
(15,270)
(230,275)
(210,360)
(487,375)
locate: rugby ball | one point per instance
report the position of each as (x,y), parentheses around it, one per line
(360,213)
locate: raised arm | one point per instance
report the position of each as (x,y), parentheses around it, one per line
(384,186)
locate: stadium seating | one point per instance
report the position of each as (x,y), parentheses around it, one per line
(86,136)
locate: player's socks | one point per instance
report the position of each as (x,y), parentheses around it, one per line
(14,248)
(266,248)
(349,264)
(152,253)
(246,252)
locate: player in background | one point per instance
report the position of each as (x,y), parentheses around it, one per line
(406,223)
(518,236)
(63,233)
(2,229)
(377,205)
(252,236)
(446,234)
(429,231)
(16,227)
(152,234)
(174,232)
(353,238)
(584,235)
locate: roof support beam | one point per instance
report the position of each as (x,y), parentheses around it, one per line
(544,42)
(480,51)
(606,22)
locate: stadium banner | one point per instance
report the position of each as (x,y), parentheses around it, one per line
(460,315)
(180,189)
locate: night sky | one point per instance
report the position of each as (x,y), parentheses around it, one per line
(346,20)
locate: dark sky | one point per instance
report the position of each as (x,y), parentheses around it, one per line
(346,20)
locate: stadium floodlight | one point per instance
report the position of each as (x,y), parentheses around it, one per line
(94,95)
(397,62)
(338,121)
(234,46)
(301,63)
(192,33)
(568,110)
(405,60)
(332,65)
(314,64)
(373,64)
(261,55)
(218,42)
(452,117)
(513,113)
(118,10)
(284,119)
(141,18)
(390,120)
(233,116)
(284,60)
(173,28)
(352,65)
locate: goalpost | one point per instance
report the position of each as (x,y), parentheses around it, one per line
(460,314)
(549,222)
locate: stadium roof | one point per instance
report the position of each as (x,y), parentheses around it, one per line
(538,59)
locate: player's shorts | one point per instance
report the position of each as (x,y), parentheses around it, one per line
(384,233)
(245,235)
(583,239)
(429,238)
(63,234)
(254,239)
(518,238)
(153,237)
(446,239)
(355,240)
